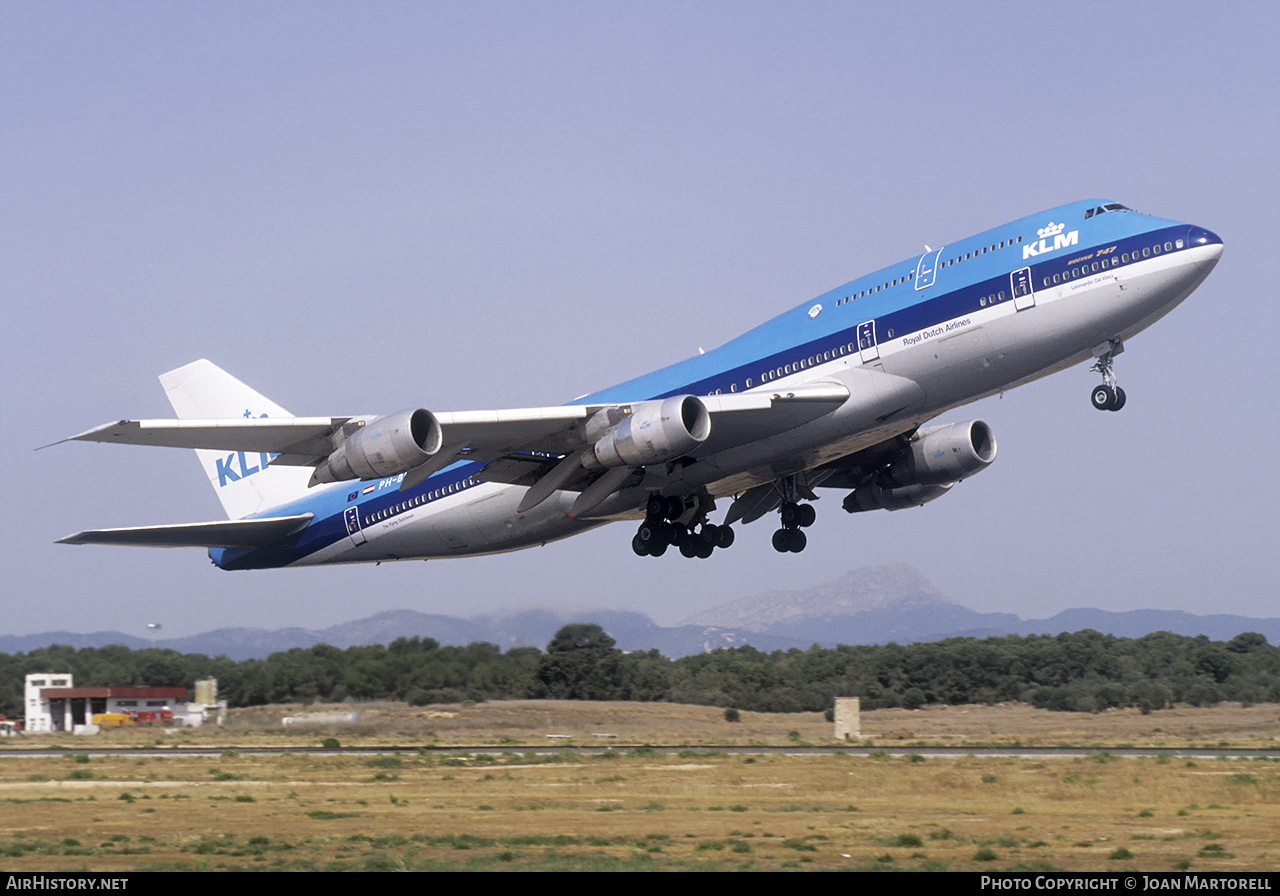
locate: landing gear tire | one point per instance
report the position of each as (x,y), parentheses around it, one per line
(725,534)
(807,516)
(789,541)
(639,547)
(1105,398)
(650,534)
(1119,402)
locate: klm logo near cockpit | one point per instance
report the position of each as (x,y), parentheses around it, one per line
(237,466)
(1050,232)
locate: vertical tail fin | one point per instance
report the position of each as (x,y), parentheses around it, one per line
(243,482)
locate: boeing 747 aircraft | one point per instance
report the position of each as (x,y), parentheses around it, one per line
(836,393)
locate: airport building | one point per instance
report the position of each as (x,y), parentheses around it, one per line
(54,704)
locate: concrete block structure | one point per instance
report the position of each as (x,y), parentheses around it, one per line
(848,718)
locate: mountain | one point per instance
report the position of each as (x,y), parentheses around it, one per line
(871,605)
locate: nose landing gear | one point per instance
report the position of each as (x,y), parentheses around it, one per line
(1108,396)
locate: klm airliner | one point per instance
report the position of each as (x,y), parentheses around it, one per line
(837,393)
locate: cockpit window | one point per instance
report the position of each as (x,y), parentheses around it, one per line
(1103,209)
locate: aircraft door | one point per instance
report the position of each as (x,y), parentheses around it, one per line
(927,270)
(352,518)
(867,341)
(1024,296)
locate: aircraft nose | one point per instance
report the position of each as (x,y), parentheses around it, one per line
(1200,237)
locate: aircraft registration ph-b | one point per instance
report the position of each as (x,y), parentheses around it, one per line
(835,393)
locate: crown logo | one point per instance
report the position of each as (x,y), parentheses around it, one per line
(1050,230)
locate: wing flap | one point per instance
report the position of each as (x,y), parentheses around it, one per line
(221,534)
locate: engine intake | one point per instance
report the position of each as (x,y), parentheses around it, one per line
(943,454)
(654,432)
(385,446)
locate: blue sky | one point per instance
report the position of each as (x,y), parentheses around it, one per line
(360,207)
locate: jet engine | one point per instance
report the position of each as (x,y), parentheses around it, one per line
(654,432)
(384,446)
(943,454)
(935,459)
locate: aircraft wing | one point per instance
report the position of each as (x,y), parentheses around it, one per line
(466,435)
(737,419)
(555,434)
(221,534)
(310,436)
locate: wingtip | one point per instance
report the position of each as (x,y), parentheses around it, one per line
(85,436)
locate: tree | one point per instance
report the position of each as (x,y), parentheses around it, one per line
(580,636)
(581,663)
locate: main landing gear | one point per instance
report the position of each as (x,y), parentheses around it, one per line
(668,521)
(795,516)
(1108,396)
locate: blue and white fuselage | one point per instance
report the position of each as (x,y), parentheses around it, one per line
(832,393)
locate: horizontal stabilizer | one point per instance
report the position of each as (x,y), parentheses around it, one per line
(222,534)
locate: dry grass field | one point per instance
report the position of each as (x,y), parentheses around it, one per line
(581,722)
(632,809)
